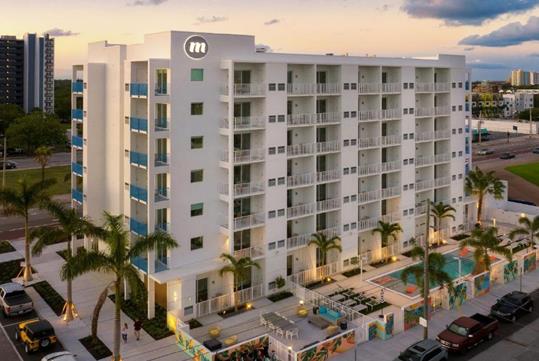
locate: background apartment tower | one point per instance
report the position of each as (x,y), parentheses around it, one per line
(11,70)
(250,153)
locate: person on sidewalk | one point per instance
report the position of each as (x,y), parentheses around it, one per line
(124,333)
(137,326)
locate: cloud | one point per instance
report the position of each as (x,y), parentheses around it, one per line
(272,22)
(511,34)
(57,32)
(210,19)
(465,12)
(147,2)
(488,66)
(534,55)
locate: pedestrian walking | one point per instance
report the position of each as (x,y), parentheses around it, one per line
(124,332)
(137,326)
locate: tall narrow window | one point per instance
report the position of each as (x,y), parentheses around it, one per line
(161,86)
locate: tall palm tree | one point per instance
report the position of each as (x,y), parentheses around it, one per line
(70,225)
(325,245)
(117,260)
(388,232)
(42,155)
(484,241)
(479,184)
(528,228)
(441,211)
(18,201)
(240,269)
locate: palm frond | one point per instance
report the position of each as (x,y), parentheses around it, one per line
(46,236)
(157,240)
(84,262)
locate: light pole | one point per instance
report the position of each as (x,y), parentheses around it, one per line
(426,286)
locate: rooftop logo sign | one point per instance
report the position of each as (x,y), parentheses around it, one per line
(196,47)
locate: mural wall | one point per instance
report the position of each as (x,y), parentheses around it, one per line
(458,296)
(412,314)
(192,347)
(329,348)
(247,348)
(481,284)
(530,262)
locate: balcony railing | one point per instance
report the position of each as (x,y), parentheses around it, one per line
(138,124)
(300,180)
(328,175)
(442,134)
(368,196)
(368,142)
(162,159)
(366,88)
(138,90)
(162,194)
(161,89)
(249,221)
(424,112)
(248,89)
(424,184)
(424,160)
(300,149)
(76,114)
(242,189)
(76,141)
(244,156)
(391,192)
(324,118)
(138,159)
(391,140)
(331,146)
(390,166)
(300,88)
(299,119)
(138,227)
(424,136)
(391,87)
(367,223)
(251,252)
(77,195)
(220,303)
(442,181)
(391,217)
(140,262)
(328,205)
(163,227)
(369,114)
(441,87)
(77,86)
(243,123)
(424,87)
(76,168)
(442,158)
(369,169)
(299,240)
(138,193)
(300,210)
(443,110)
(161,124)
(328,88)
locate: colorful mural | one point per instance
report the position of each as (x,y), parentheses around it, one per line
(390,324)
(329,348)
(530,262)
(192,347)
(245,349)
(481,284)
(412,314)
(510,271)
(458,296)
(373,330)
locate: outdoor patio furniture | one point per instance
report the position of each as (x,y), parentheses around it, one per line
(329,314)
(229,341)
(302,311)
(214,331)
(410,289)
(319,322)
(212,344)
(337,297)
(359,307)
(293,332)
(332,330)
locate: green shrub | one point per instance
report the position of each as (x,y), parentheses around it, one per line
(280,296)
(50,296)
(5,247)
(96,348)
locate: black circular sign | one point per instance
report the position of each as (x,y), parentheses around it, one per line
(196,47)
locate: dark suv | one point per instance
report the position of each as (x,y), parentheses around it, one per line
(512,306)
(426,350)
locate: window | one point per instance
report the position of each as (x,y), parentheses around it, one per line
(272,118)
(346,199)
(353,170)
(346,114)
(272,86)
(405,85)
(281,87)
(411,135)
(353,141)
(346,86)
(271,150)
(197,243)
(353,198)
(197,142)
(353,114)
(271,214)
(411,85)
(353,86)
(280,118)
(271,246)
(405,136)
(280,212)
(346,142)
(271,182)
(405,111)
(280,243)
(197,108)
(197,74)
(197,209)
(280,149)
(280,181)
(197,175)
(405,187)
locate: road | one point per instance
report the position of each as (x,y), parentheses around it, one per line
(56,159)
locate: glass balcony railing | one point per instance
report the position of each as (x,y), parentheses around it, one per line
(163,227)
(138,124)
(137,227)
(76,168)
(139,159)
(162,194)
(77,195)
(76,114)
(161,264)
(138,193)
(138,90)
(140,262)
(161,124)
(161,89)
(76,141)
(162,159)
(77,87)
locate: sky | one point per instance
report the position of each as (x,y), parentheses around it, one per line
(495,35)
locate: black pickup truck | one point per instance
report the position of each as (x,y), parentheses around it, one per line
(14,300)
(466,332)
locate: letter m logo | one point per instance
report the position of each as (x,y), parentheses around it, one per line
(197,47)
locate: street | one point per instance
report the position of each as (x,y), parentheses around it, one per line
(56,159)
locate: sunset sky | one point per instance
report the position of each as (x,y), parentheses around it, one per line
(495,35)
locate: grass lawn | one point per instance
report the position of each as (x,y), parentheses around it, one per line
(529,172)
(34,175)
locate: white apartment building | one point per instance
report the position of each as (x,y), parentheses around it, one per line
(250,153)
(518,101)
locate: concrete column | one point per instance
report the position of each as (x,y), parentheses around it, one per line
(151,298)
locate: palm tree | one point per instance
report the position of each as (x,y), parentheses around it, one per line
(42,155)
(388,232)
(479,184)
(117,260)
(17,202)
(441,211)
(240,269)
(484,241)
(325,245)
(528,228)
(70,225)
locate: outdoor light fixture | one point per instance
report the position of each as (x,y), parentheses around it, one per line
(248,306)
(301,302)
(393,258)
(522,215)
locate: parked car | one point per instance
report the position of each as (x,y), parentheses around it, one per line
(507,155)
(9,164)
(425,350)
(35,334)
(14,300)
(512,306)
(466,332)
(60,356)
(485,151)
(535,150)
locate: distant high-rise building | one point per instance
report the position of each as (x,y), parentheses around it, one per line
(520,77)
(27,72)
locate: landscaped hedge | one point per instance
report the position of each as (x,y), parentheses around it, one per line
(378,307)
(5,247)
(280,296)
(9,270)
(50,296)
(352,272)
(96,348)
(156,327)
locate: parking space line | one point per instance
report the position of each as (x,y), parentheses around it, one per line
(11,343)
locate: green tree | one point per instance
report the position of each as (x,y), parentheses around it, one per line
(484,242)
(70,226)
(525,114)
(388,232)
(439,212)
(325,245)
(116,261)
(240,270)
(62,99)
(436,264)
(42,155)
(8,114)
(34,130)
(17,202)
(528,228)
(479,184)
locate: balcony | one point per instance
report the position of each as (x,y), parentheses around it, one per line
(364,143)
(300,149)
(390,140)
(328,88)
(76,114)
(76,168)
(138,193)
(161,124)
(137,227)
(138,90)
(300,89)
(328,176)
(77,87)
(424,184)
(249,221)
(424,87)
(391,87)
(442,158)
(299,240)
(162,159)
(162,227)
(162,194)
(442,87)
(141,263)
(369,88)
(367,223)
(442,134)
(77,195)
(424,160)
(138,159)
(251,252)
(328,205)
(300,180)
(390,166)
(391,217)
(300,119)
(424,112)
(300,210)
(326,118)
(161,89)
(442,181)
(244,156)
(443,110)
(391,192)
(161,265)
(424,136)
(364,170)
(369,115)
(245,123)
(76,141)
(248,89)
(368,196)
(242,189)
(139,125)
(328,147)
